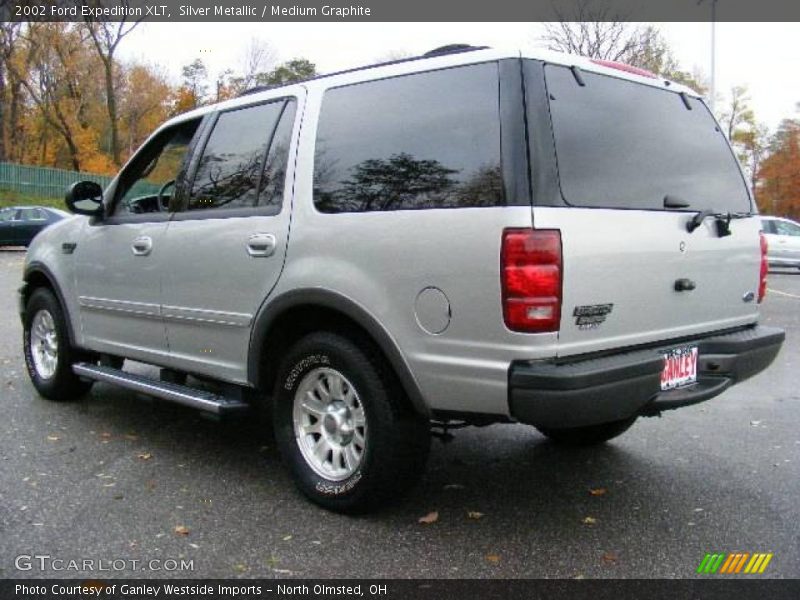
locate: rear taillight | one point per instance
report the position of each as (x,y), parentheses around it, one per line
(762,278)
(530,264)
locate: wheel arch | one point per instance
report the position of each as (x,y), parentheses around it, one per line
(37,275)
(288,317)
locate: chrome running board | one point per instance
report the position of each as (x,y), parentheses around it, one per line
(172,392)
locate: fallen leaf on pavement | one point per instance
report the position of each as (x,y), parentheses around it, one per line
(598,491)
(474,514)
(53,438)
(105,435)
(144,456)
(430,518)
(610,557)
(181,530)
(589,521)
(493,558)
(454,486)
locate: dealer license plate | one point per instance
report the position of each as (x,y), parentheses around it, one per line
(680,367)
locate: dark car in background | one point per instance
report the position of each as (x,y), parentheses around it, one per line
(19,224)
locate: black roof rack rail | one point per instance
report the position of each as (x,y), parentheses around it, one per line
(440,51)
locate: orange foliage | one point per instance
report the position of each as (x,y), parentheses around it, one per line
(779,176)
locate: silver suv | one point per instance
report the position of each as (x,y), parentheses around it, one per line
(467,237)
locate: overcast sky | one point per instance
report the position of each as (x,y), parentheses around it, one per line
(763,56)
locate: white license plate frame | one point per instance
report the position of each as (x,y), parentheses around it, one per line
(680,367)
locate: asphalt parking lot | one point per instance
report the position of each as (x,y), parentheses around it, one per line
(118,478)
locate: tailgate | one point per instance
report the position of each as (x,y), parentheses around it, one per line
(621,269)
(637,159)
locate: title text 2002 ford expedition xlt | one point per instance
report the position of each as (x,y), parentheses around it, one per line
(465,237)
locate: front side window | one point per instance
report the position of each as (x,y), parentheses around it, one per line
(427,140)
(148,184)
(241,166)
(621,144)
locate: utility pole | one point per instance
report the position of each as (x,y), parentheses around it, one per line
(713,92)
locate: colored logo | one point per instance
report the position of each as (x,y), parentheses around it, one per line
(737,562)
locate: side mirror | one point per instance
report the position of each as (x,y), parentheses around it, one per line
(85,198)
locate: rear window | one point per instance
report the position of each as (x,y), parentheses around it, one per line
(621,144)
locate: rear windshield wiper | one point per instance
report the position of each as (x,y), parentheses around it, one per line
(723,220)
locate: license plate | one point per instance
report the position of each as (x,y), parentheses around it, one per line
(680,367)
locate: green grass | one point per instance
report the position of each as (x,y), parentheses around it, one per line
(12,198)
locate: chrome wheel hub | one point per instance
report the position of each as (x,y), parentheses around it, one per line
(44,344)
(329,423)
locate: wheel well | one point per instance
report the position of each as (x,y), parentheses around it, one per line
(296,322)
(35,280)
(38,278)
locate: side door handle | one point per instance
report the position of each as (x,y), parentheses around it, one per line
(142,246)
(261,245)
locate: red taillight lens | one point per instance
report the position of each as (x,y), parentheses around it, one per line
(762,279)
(530,264)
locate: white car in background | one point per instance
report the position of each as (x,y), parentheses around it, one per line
(783,241)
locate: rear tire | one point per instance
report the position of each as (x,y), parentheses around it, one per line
(48,354)
(590,435)
(343,427)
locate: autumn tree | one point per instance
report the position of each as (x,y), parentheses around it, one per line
(9,87)
(288,72)
(144,105)
(106,37)
(779,174)
(748,138)
(194,90)
(595,31)
(58,83)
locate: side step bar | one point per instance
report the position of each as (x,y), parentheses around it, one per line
(173,392)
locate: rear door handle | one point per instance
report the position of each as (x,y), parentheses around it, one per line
(142,246)
(261,245)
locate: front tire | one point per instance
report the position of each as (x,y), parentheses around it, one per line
(343,426)
(590,435)
(48,354)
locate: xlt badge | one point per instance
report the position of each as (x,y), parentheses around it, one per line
(589,316)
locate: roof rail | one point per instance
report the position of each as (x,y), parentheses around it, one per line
(452,49)
(440,51)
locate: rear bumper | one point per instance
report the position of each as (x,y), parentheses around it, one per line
(619,386)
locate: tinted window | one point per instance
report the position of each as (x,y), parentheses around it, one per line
(621,144)
(273,178)
(8,215)
(768,226)
(232,163)
(429,140)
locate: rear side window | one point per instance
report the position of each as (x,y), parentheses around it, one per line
(621,144)
(428,140)
(244,160)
